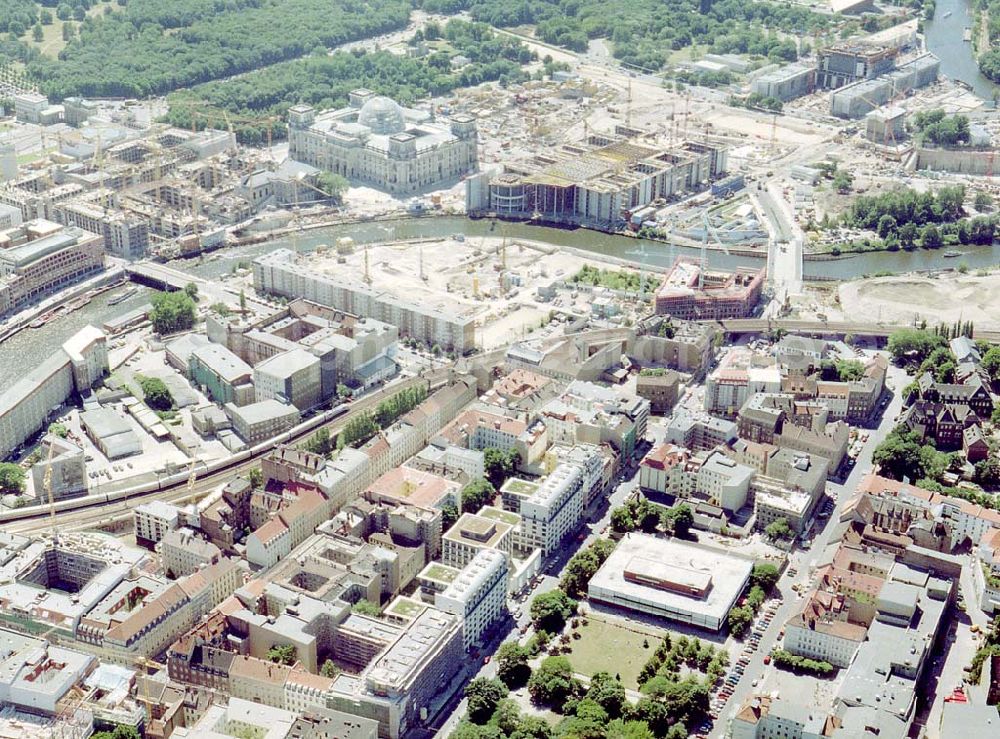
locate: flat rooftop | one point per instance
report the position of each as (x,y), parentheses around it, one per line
(671,578)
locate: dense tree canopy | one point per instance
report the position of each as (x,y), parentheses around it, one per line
(325,80)
(127,53)
(549,611)
(171,312)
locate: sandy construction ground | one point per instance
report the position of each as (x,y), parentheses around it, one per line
(946,299)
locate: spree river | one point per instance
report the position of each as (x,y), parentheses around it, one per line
(24,351)
(943,37)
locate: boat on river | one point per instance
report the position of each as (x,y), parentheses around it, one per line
(952,253)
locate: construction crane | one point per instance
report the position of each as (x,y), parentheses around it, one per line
(47,484)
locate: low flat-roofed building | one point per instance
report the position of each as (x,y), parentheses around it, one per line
(111,433)
(676,580)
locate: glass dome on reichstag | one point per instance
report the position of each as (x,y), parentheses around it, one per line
(383,116)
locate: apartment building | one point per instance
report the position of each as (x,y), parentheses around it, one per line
(125,235)
(691,292)
(473,533)
(821,630)
(154,520)
(554,509)
(182,552)
(477,595)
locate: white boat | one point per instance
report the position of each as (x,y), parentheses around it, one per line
(946,14)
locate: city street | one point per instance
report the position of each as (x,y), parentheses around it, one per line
(599,518)
(805,560)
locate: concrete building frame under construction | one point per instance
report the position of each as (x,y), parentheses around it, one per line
(690,292)
(598,181)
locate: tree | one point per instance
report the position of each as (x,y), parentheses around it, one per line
(484,694)
(499,465)
(477,494)
(681,520)
(779,529)
(468,730)
(914,345)
(765,576)
(283,654)
(739,620)
(898,455)
(532,727)
(343,391)
(549,611)
(621,729)
(886,225)
(930,237)
(256,478)
(982,201)
(59,430)
(842,181)
(11,479)
(507,717)
(68,31)
(172,312)
(329,669)
(120,732)
(584,565)
(449,515)
(366,608)
(156,393)
(988,472)
(552,683)
(243,301)
(333,185)
(512,664)
(908,235)
(37,32)
(191,290)
(607,692)
(621,520)
(991,362)
(45,17)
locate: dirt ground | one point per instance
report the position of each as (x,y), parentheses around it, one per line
(944,299)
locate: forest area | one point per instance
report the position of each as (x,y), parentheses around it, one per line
(152,48)
(325,80)
(254,58)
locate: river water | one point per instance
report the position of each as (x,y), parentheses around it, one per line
(943,37)
(24,351)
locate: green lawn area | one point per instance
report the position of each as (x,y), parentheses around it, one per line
(521,487)
(442,572)
(405,608)
(612,648)
(497,514)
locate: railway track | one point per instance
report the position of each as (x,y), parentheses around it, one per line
(95,511)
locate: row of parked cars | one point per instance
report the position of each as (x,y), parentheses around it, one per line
(728,685)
